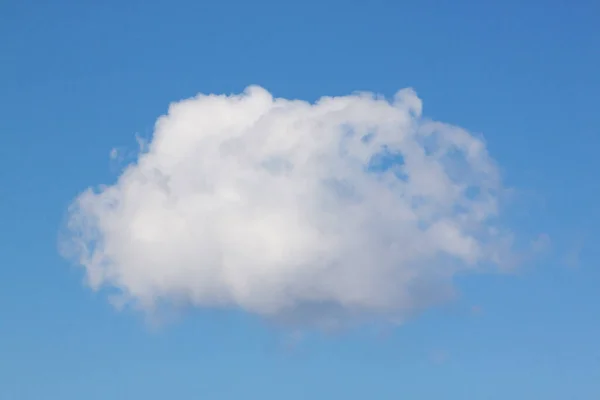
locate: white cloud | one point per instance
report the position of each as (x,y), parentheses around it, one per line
(352,207)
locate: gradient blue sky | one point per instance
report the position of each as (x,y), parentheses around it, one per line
(79,78)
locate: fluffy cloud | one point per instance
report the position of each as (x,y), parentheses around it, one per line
(350,208)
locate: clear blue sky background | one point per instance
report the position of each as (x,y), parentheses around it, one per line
(80,77)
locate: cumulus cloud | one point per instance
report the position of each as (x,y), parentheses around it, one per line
(349,208)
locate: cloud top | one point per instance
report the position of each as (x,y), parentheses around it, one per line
(321,213)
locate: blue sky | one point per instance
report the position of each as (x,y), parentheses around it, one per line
(81,79)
